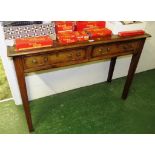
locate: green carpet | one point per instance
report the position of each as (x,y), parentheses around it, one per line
(12,118)
(93,109)
(4,86)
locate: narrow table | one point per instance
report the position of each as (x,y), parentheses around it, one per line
(59,56)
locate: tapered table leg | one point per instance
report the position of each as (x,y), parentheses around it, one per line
(22,86)
(132,69)
(111,69)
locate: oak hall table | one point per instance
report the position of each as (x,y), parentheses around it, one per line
(66,55)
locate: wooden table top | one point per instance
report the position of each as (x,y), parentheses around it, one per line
(11,52)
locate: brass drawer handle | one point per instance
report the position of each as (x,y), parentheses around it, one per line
(101,51)
(108,49)
(71,57)
(78,54)
(34,61)
(45,59)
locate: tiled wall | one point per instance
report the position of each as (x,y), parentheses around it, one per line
(14,32)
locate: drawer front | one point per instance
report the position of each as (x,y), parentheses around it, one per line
(62,58)
(128,46)
(67,56)
(35,61)
(115,48)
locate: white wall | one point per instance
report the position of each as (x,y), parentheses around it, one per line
(147,60)
(46,83)
(9,69)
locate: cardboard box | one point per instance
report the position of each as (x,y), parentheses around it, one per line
(14,32)
(131,33)
(83,25)
(81,35)
(117,27)
(71,37)
(98,32)
(66,37)
(33,42)
(63,26)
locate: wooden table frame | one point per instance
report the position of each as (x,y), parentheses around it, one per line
(20,59)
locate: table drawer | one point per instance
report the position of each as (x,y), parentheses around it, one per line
(67,56)
(35,61)
(115,48)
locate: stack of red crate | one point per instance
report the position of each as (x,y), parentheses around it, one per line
(93,28)
(66,34)
(84,30)
(64,30)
